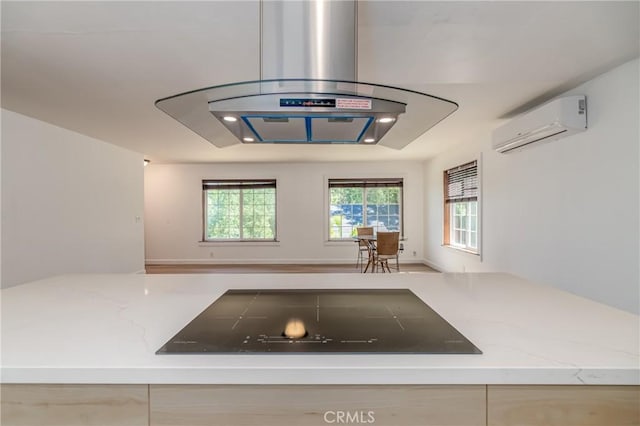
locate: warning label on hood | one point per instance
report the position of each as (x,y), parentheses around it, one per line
(352,103)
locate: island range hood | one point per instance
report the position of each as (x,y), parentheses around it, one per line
(307,92)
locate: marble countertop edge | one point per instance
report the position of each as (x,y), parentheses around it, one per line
(324,376)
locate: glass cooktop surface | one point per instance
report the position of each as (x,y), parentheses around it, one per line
(319,321)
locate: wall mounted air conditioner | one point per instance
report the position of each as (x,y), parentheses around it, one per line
(551,121)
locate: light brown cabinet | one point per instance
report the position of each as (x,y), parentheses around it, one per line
(563,405)
(270,405)
(264,405)
(74,405)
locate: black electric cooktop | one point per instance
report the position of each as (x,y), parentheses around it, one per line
(319,321)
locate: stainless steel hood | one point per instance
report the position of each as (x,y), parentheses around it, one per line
(307,92)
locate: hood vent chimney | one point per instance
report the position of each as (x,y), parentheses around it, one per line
(308,39)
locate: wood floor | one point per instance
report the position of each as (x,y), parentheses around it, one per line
(269,268)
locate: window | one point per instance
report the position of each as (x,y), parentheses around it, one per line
(364,202)
(461,207)
(239,210)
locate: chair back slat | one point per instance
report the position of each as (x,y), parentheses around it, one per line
(387,243)
(364,230)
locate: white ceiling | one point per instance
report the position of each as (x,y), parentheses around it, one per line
(98,67)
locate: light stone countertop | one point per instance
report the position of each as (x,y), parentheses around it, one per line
(106,329)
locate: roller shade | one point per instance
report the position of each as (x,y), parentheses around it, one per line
(225,184)
(461,183)
(365,183)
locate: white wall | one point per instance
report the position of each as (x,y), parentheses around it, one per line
(69,203)
(173,212)
(0,202)
(581,235)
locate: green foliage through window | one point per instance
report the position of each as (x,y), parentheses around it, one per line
(234,211)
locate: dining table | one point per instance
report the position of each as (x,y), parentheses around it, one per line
(370,241)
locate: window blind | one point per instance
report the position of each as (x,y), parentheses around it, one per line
(366,183)
(461,183)
(226,184)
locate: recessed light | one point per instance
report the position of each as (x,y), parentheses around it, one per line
(247,139)
(369,140)
(229,118)
(386,120)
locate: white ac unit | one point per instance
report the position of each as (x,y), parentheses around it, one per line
(553,120)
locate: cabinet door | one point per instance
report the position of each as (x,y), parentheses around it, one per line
(74,405)
(194,405)
(563,405)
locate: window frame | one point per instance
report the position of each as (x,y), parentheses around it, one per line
(364,183)
(448,239)
(466,229)
(242,184)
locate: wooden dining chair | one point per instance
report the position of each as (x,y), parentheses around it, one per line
(364,246)
(387,246)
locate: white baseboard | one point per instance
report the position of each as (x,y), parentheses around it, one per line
(249,261)
(433,265)
(258,261)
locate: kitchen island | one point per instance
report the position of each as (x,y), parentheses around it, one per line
(93,338)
